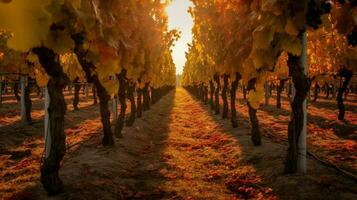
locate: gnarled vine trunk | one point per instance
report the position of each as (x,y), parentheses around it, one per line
(146,97)
(206,94)
(119,124)
(347,74)
(233,92)
(289,89)
(77,88)
(216,95)
(266,91)
(16,91)
(200,92)
(244,92)
(108,139)
(139,98)
(211,101)
(256,138)
(104,97)
(327,90)
(84,89)
(316,92)
(131,89)
(224,96)
(279,91)
(1,90)
(94,91)
(28,102)
(56,110)
(154,95)
(300,80)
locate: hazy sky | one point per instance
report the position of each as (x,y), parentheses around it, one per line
(180,19)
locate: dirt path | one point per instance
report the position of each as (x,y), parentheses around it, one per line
(180,150)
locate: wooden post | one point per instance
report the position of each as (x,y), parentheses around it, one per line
(309,93)
(301,163)
(1,90)
(70,88)
(47,125)
(293,91)
(266,93)
(115,108)
(334,88)
(86,89)
(22,100)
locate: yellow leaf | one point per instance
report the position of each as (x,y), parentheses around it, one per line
(71,66)
(76,4)
(290,28)
(38,72)
(291,45)
(299,20)
(255,97)
(27,20)
(110,84)
(59,41)
(272,6)
(41,77)
(33,58)
(262,58)
(248,69)
(110,67)
(262,37)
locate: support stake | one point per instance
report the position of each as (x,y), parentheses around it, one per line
(47,125)
(301,163)
(115,108)
(22,99)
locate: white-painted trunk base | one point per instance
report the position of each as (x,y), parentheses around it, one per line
(301,165)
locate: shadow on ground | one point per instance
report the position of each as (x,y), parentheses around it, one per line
(129,170)
(268,162)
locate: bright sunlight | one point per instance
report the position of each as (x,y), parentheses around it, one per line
(180,19)
(100,99)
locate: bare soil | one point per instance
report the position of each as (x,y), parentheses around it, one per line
(178,150)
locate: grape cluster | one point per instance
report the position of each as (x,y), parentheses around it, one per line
(315,11)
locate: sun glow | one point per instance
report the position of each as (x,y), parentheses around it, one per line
(180,19)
